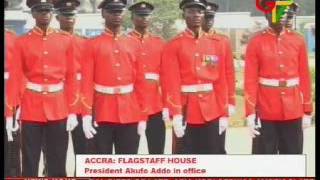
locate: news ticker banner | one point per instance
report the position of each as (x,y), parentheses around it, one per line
(190,166)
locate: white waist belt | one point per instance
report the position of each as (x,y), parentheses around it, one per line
(196,88)
(6,75)
(114,89)
(45,87)
(279,83)
(151,76)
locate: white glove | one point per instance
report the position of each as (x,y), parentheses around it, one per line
(88,129)
(231,109)
(165,114)
(72,122)
(306,121)
(253,126)
(18,112)
(223,124)
(10,128)
(142,125)
(178,127)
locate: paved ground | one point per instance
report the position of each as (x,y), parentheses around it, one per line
(237,142)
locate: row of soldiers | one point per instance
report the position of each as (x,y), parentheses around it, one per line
(112,89)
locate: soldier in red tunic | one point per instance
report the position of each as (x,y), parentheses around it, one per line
(148,49)
(12,135)
(110,80)
(48,106)
(277,89)
(195,80)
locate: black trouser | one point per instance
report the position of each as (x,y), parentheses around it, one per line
(45,166)
(178,144)
(56,139)
(124,137)
(285,137)
(222,143)
(203,139)
(156,134)
(12,155)
(78,138)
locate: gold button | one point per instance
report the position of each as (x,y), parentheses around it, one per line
(116,51)
(45,39)
(45,92)
(197,41)
(45,52)
(197,68)
(143,54)
(45,66)
(116,39)
(280,52)
(119,78)
(142,41)
(117,65)
(281,65)
(283,93)
(196,54)
(200,95)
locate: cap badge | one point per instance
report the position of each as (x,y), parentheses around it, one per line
(143,5)
(69,4)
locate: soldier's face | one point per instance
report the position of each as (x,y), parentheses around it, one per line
(194,16)
(113,17)
(66,22)
(207,23)
(141,21)
(42,16)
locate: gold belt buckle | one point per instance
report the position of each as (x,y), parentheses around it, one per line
(117,90)
(283,83)
(45,89)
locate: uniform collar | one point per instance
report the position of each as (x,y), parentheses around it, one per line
(139,35)
(188,32)
(39,31)
(269,30)
(70,33)
(212,31)
(108,32)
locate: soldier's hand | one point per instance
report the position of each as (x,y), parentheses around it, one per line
(178,126)
(306,121)
(72,122)
(10,128)
(165,115)
(223,124)
(88,129)
(142,125)
(231,109)
(253,126)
